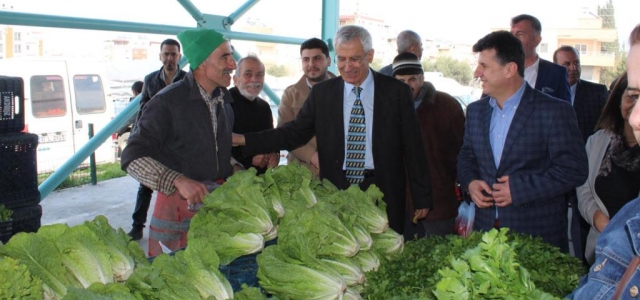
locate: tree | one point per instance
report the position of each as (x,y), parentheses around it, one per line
(278,71)
(449,67)
(609,74)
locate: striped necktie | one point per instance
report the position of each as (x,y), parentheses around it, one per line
(356,141)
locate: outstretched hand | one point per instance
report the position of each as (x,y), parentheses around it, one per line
(237,140)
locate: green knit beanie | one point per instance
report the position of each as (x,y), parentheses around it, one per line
(197,44)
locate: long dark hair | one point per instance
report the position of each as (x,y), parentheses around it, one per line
(611,117)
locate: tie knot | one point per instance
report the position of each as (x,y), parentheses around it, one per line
(356,90)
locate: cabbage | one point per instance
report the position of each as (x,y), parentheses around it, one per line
(99,291)
(42,258)
(350,270)
(85,256)
(288,278)
(17,282)
(124,253)
(388,244)
(363,237)
(368,260)
(351,294)
(319,231)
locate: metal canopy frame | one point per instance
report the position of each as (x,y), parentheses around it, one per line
(330,21)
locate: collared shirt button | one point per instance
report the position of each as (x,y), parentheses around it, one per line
(633,291)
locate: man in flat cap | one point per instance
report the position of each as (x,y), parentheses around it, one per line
(442,127)
(183,138)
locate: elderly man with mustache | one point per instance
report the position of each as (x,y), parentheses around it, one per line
(251,113)
(183,138)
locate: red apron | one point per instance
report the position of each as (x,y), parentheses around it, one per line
(169,224)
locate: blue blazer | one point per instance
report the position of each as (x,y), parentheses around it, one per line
(552,80)
(543,156)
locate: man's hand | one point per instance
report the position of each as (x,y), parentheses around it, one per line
(237,140)
(420,214)
(273,159)
(502,192)
(193,191)
(480,193)
(315,162)
(259,160)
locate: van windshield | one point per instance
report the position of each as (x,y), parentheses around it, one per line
(47,96)
(89,94)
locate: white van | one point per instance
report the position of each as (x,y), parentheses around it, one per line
(61,98)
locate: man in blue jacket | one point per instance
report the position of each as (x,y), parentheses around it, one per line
(541,74)
(522,150)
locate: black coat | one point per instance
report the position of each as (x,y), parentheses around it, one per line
(398,151)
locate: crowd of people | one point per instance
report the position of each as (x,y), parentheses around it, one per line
(539,146)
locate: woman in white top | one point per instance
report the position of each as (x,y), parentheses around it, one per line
(614,165)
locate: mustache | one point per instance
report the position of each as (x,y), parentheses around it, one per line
(253,85)
(227,71)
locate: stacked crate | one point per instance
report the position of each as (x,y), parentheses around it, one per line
(18,170)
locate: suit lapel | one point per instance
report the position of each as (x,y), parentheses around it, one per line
(579,99)
(523,112)
(485,127)
(337,111)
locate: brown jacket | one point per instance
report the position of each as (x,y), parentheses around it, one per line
(442,125)
(292,100)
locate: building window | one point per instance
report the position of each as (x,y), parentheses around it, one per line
(17,36)
(544,48)
(17,48)
(1,48)
(581,48)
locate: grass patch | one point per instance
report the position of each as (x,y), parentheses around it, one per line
(82,175)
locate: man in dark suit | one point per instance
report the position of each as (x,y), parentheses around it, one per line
(587,98)
(541,74)
(390,145)
(522,150)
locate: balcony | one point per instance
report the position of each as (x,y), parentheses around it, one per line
(601,35)
(597,59)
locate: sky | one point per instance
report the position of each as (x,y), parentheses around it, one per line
(456,20)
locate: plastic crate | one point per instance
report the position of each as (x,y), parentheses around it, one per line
(27,219)
(20,199)
(11,104)
(18,168)
(6,231)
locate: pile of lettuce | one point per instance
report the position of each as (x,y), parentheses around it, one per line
(417,272)
(58,258)
(327,238)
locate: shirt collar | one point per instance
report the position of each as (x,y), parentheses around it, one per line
(512,102)
(367,85)
(174,76)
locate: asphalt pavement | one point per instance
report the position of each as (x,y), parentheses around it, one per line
(113,198)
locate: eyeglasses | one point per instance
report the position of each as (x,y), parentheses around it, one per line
(356,60)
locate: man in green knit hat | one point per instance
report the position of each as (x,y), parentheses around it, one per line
(183,138)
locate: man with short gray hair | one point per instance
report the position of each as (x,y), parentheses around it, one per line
(407,41)
(366,129)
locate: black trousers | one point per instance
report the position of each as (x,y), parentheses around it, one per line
(143,201)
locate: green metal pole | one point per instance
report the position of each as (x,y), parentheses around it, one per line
(330,21)
(233,17)
(92,160)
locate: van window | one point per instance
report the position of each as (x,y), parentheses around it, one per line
(47,96)
(89,94)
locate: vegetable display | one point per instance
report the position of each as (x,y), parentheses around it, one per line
(299,238)
(415,274)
